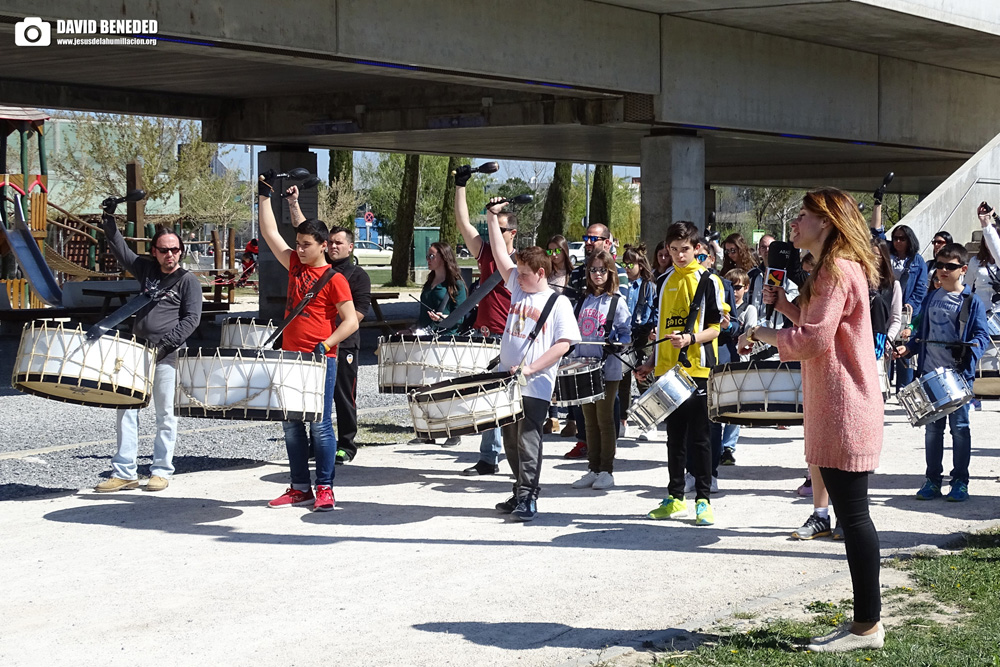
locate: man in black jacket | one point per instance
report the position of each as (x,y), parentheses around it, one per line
(339,247)
(167,323)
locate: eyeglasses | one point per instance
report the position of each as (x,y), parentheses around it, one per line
(732,251)
(554,251)
(172,251)
(593,239)
(629,265)
(431,256)
(598,269)
(948,266)
(701,258)
(736,287)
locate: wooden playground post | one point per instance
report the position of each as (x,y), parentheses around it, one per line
(232,264)
(136,211)
(217,247)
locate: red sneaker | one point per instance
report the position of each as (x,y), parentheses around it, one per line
(325,501)
(578,452)
(292,498)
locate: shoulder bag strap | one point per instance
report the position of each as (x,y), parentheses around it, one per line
(696,303)
(301,305)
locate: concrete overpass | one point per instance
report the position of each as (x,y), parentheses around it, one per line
(783,92)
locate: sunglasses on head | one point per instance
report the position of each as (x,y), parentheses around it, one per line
(948,266)
(554,251)
(587,238)
(172,251)
(598,269)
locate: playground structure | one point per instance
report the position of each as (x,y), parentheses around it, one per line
(50,252)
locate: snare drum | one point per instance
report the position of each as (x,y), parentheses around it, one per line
(264,385)
(114,371)
(579,380)
(408,361)
(756,393)
(245,333)
(665,396)
(469,405)
(883,376)
(987,383)
(934,395)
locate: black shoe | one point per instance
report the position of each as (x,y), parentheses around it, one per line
(482,468)
(526,509)
(815,526)
(728,458)
(343,457)
(508,505)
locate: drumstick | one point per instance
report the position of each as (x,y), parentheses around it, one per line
(430,308)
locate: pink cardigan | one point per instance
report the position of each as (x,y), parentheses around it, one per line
(843,410)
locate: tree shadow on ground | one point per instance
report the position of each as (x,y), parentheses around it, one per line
(15,491)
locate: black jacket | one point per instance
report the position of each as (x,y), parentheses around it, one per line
(361,294)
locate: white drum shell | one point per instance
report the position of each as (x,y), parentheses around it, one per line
(245,333)
(987,383)
(408,362)
(249,384)
(473,405)
(934,395)
(756,393)
(114,371)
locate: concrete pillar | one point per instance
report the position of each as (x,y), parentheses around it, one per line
(273,276)
(673,184)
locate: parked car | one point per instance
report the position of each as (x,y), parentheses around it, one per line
(577,252)
(368,253)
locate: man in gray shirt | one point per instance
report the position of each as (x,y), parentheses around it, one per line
(166,324)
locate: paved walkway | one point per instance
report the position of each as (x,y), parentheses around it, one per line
(416,568)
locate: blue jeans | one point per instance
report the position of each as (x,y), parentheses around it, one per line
(490,447)
(904,374)
(961,447)
(123,465)
(323,439)
(730,436)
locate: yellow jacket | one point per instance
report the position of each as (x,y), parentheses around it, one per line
(675,291)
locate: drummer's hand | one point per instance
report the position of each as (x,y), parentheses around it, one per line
(321,349)
(899,352)
(679,340)
(525,370)
(642,372)
(905,333)
(774,295)
(435,315)
(292,194)
(652,335)
(744,346)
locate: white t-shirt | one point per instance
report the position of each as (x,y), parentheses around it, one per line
(525,309)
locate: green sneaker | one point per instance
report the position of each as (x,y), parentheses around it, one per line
(670,508)
(342,457)
(704,516)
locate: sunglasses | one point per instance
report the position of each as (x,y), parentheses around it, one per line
(939,241)
(736,287)
(172,251)
(732,251)
(629,265)
(598,269)
(431,256)
(593,239)
(554,251)
(507,229)
(701,258)
(948,266)
(898,238)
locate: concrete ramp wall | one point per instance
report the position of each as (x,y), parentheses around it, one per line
(952,205)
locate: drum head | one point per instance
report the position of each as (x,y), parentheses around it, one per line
(81,392)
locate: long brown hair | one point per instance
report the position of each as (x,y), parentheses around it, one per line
(451,274)
(984,255)
(744,258)
(610,285)
(849,238)
(567,261)
(637,255)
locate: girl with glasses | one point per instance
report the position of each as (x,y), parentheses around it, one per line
(910,269)
(603,317)
(562,265)
(640,295)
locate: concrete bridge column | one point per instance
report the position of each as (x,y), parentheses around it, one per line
(273,276)
(673,184)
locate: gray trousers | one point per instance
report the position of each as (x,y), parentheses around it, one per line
(522,442)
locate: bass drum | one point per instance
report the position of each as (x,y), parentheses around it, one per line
(756,393)
(987,383)
(411,361)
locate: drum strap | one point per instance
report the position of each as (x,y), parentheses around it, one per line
(696,304)
(134,305)
(299,307)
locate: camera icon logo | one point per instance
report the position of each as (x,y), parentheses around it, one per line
(32,31)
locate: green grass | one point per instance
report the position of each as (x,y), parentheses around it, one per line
(954,623)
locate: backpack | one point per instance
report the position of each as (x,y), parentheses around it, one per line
(880,304)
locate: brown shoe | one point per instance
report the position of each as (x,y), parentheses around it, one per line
(157,483)
(116,484)
(551,425)
(569,430)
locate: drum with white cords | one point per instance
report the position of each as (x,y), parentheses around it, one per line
(934,395)
(756,393)
(113,371)
(987,383)
(411,361)
(245,333)
(579,380)
(470,404)
(264,385)
(660,400)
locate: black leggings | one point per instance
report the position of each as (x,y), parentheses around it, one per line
(849,495)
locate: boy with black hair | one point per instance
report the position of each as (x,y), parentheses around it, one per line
(951,333)
(535,310)
(691,306)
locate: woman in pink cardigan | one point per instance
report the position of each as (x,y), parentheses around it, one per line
(843,413)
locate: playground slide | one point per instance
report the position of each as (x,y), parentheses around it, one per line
(29,258)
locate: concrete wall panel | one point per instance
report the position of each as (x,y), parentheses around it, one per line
(564,41)
(725,77)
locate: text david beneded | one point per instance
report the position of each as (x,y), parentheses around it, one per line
(112,27)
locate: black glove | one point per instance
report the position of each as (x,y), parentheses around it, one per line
(462,175)
(879,193)
(164,351)
(266,186)
(320,350)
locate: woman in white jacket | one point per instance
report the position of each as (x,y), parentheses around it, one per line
(984,274)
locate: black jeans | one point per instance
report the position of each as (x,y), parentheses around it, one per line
(522,442)
(849,496)
(689,444)
(344,397)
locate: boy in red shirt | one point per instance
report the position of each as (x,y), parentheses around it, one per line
(312,331)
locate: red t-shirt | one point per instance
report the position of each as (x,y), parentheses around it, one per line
(494,307)
(316,322)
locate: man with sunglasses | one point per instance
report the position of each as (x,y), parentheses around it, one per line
(166,324)
(491,312)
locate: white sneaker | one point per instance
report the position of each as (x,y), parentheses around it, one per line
(715,485)
(688,482)
(845,640)
(621,429)
(586,481)
(644,436)
(604,481)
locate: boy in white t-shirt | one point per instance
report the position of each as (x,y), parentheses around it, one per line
(538,359)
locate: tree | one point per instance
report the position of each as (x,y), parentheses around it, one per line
(225,200)
(404,221)
(555,212)
(528,215)
(623,221)
(338,202)
(602,197)
(766,206)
